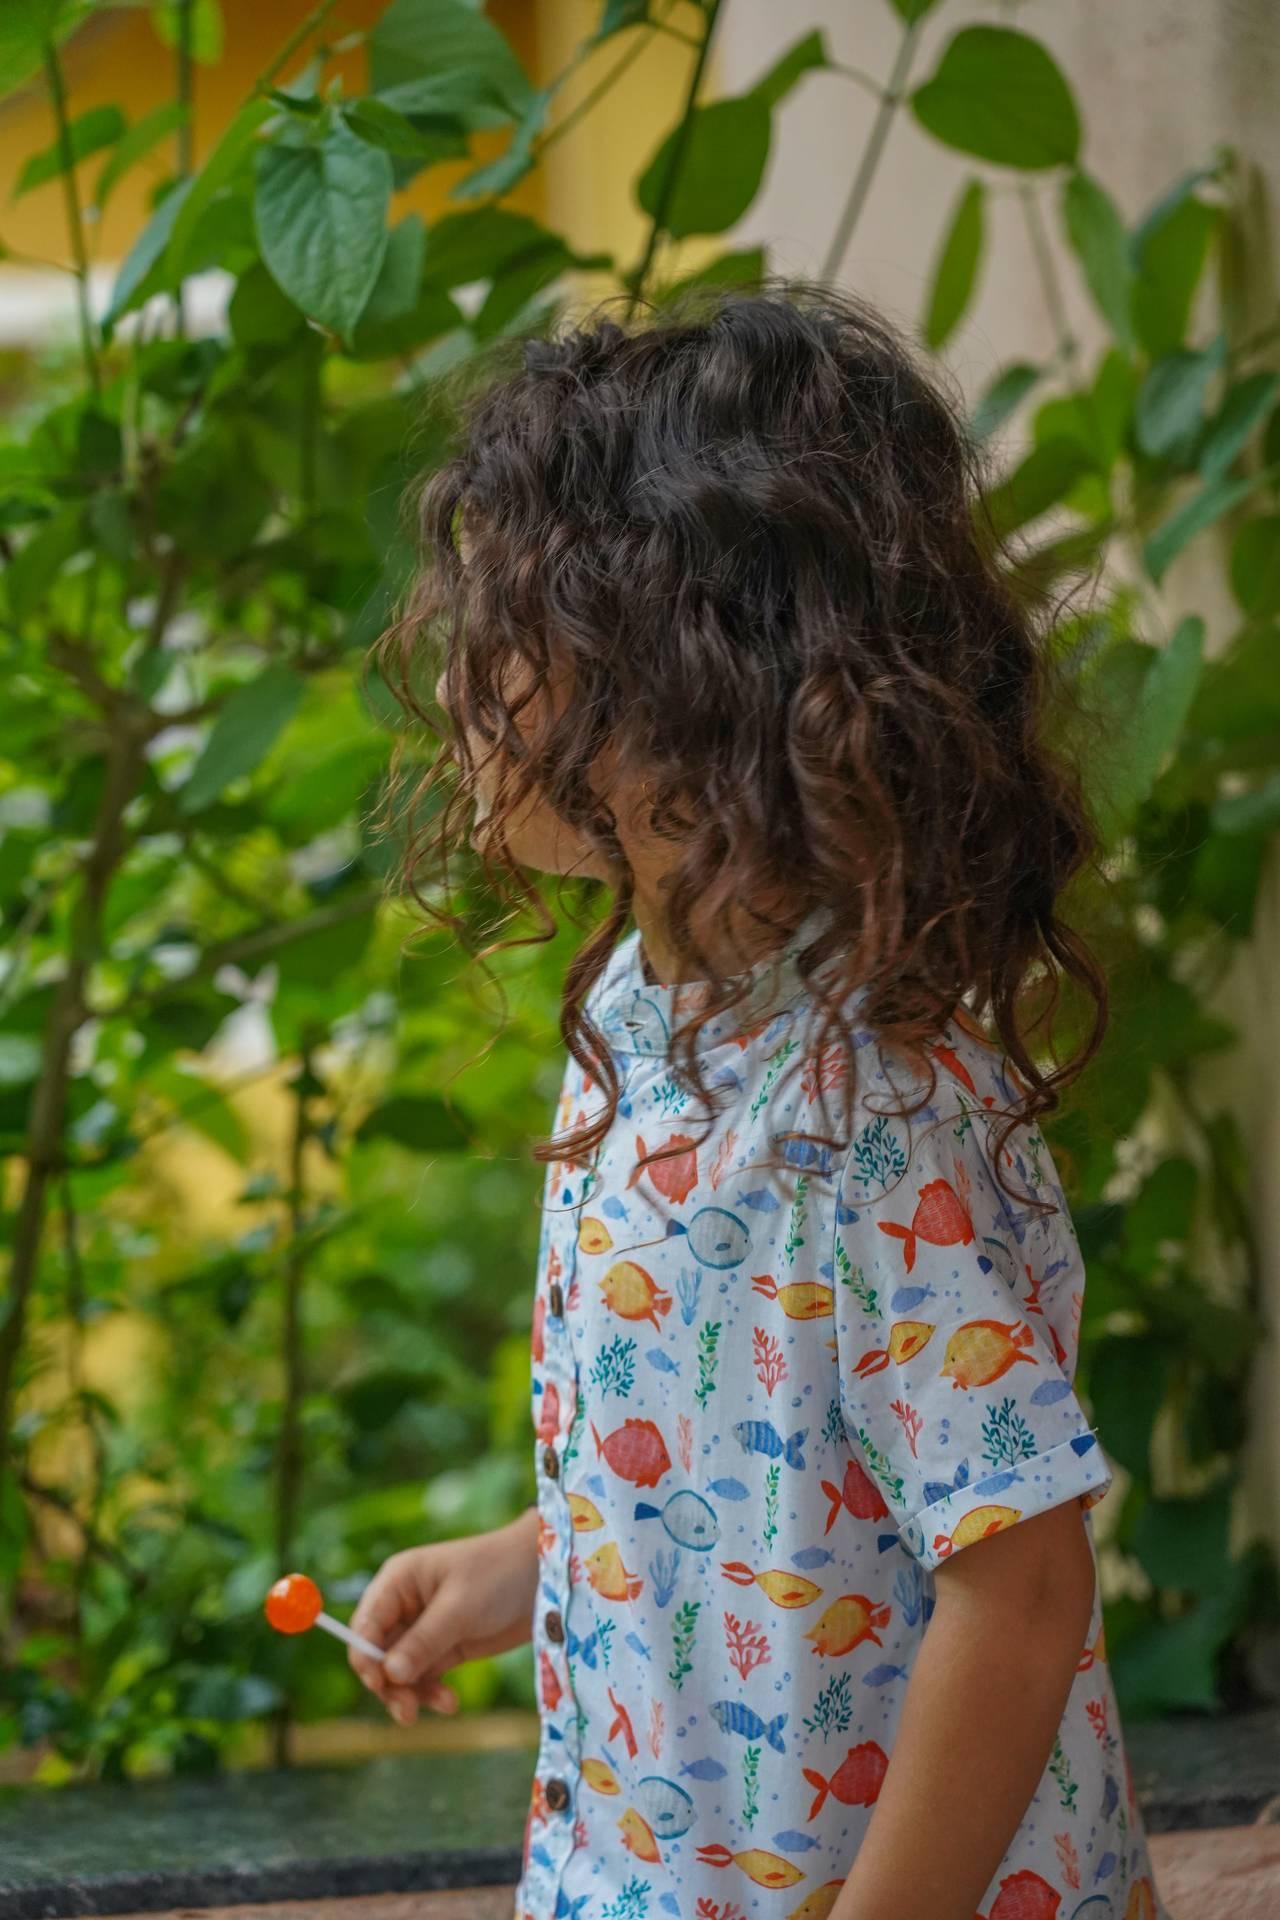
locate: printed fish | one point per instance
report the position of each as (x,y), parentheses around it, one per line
(846,1623)
(637,1645)
(537,1335)
(812,1557)
(637,1837)
(906,1339)
(1094,1654)
(667,1807)
(704,1769)
(548,1682)
(766,1869)
(585,1650)
(761,1436)
(977,1525)
(858,1494)
(633,1294)
(584,1513)
(635,1451)
(799,1299)
(594,1236)
(600,1777)
(688,1519)
(735,1716)
(882,1675)
(621,1727)
(659,1357)
(981,1350)
(609,1577)
(727,1489)
(792,1840)
(818,1904)
(1142,1901)
(674,1176)
(784,1589)
(941,1219)
(856,1782)
(548,1412)
(1025,1896)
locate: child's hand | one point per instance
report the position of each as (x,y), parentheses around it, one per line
(437,1606)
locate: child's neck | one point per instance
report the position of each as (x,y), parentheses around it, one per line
(729,951)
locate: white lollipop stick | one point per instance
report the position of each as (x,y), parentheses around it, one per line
(356,1640)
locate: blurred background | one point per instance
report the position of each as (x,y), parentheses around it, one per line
(269,1212)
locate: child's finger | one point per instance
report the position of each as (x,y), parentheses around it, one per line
(425,1648)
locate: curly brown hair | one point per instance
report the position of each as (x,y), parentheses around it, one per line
(747,531)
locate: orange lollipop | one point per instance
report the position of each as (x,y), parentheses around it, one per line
(295,1603)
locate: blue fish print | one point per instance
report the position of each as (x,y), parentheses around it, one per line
(1105,1868)
(613,1208)
(760,1199)
(881,1676)
(727,1489)
(567,1909)
(791,1840)
(688,1518)
(735,1716)
(669,1904)
(908,1297)
(812,1557)
(659,1357)
(704,1769)
(584,1650)
(1050,1391)
(666,1807)
(761,1436)
(943,1489)
(809,1157)
(637,1645)
(1110,1797)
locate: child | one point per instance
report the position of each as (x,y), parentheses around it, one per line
(810,1578)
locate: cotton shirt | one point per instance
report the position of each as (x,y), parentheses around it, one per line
(776,1384)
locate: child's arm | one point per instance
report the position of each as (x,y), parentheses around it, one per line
(983,1705)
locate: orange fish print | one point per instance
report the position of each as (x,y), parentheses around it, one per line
(549,1412)
(622,1728)
(766,1869)
(633,1294)
(954,1064)
(856,1782)
(585,1514)
(1142,1901)
(539,1317)
(941,1220)
(676,1176)
(818,1904)
(1025,1896)
(857,1493)
(907,1338)
(638,1838)
(609,1577)
(978,1525)
(594,1236)
(600,1777)
(799,1299)
(1094,1655)
(784,1589)
(549,1683)
(635,1451)
(848,1621)
(981,1350)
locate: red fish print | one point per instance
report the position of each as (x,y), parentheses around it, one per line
(676,1176)
(1024,1896)
(636,1451)
(856,1492)
(856,1782)
(549,1682)
(940,1219)
(539,1317)
(622,1728)
(549,1413)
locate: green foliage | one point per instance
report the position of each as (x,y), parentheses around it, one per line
(201,539)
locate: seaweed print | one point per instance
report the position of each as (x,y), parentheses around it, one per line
(657,1726)
(856,1281)
(614,1370)
(1060,1769)
(708,1336)
(795,1226)
(833,1708)
(769,1532)
(776,1065)
(684,1441)
(663,1570)
(824,1072)
(670,1098)
(709,1909)
(683,1628)
(688,1286)
(911,1422)
(881,1465)
(1068,1860)
(631,1904)
(748,1647)
(766,1351)
(1097,1712)
(1007,1438)
(833,1425)
(606,1630)
(724,1152)
(750,1786)
(878,1155)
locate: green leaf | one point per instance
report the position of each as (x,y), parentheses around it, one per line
(401,312)
(1097,235)
(1168,264)
(20,1057)
(1000,95)
(910,11)
(480,245)
(1152,722)
(1002,399)
(1242,412)
(143,272)
(619,14)
(1039,482)
(218,172)
(25,26)
(743,268)
(1174,1666)
(1128,1381)
(373,121)
(1255,812)
(135,144)
(447,56)
(88,133)
(1184,1544)
(1255,566)
(246,727)
(418,1121)
(1171,401)
(259,314)
(956,272)
(206,29)
(37,564)
(1192,518)
(500,175)
(802,58)
(721,167)
(321,218)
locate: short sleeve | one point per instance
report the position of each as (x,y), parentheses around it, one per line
(957,1319)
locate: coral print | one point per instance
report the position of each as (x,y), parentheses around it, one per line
(777,1384)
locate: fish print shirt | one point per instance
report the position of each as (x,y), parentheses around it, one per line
(776,1385)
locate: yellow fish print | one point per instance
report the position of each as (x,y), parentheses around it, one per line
(818,1904)
(585,1514)
(609,1577)
(981,1350)
(846,1623)
(977,1525)
(600,1777)
(594,1236)
(906,1339)
(799,1299)
(633,1294)
(784,1589)
(638,1837)
(766,1869)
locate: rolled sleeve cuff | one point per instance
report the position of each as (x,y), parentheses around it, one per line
(1075,1469)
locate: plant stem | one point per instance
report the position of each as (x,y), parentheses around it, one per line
(303,31)
(671,172)
(1051,286)
(289,1444)
(94,1543)
(184,64)
(75,223)
(596,93)
(890,101)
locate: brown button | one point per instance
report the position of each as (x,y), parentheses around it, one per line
(556,1794)
(554,1626)
(550,1465)
(555,1300)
